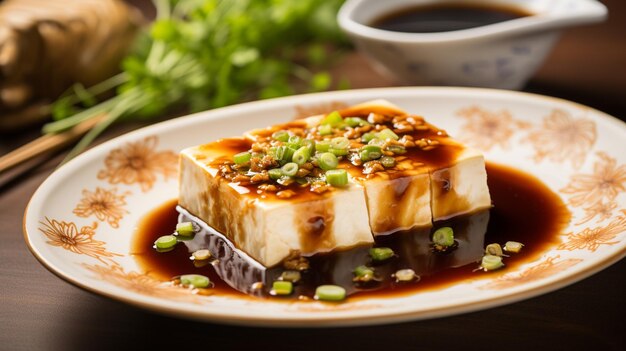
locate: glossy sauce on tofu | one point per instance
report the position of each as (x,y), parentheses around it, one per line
(524,210)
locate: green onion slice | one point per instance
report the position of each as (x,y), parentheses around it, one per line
(275,173)
(325,129)
(494,249)
(513,246)
(386,134)
(337,177)
(185,229)
(333,119)
(330,293)
(367,137)
(491,262)
(388,161)
(327,161)
(322,146)
(301,156)
(381,253)
(370,152)
(340,143)
(165,242)
(290,169)
(195,280)
(281,135)
(443,236)
(242,157)
(282,287)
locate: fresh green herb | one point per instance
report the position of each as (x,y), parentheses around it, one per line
(322,146)
(325,129)
(203,54)
(387,134)
(275,173)
(367,137)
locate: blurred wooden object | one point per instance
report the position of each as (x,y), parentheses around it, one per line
(46,46)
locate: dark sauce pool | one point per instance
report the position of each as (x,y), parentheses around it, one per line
(524,210)
(446,17)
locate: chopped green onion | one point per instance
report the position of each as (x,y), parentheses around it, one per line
(386,134)
(370,152)
(494,249)
(325,129)
(195,280)
(291,276)
(242,157)
(309,144)
(333,119)
(201,255)
(185,229)
(275,173)
(397,149)
(294,142)
(284,153)
(388,161)
(377,142)
(381,253)
(367,137)
(338,152)
(330,293)
(443,236)
(340,143)
(513,246)
(282,287)
(405,275)
(355,122)
(301,155)
(363,274)
(281,135)
(290,169)
(322,146)
(491,262)
(327,161)
(337,177)
(165,242)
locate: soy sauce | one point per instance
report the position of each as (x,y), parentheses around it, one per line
(525,210)
(446,17)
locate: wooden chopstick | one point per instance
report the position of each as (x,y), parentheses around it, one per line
(46,143)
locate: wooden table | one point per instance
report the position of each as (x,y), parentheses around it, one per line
(38,311)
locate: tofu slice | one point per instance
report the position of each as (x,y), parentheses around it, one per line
(270,229)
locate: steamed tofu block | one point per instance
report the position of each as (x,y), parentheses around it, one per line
(268,228)
(331,181)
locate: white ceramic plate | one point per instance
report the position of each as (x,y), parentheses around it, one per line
(80,221)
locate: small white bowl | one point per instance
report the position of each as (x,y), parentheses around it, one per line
(501,55)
